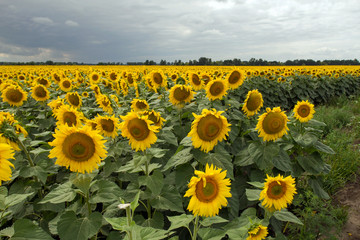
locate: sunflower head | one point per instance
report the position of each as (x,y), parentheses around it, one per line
(155,117)
(74,99)
(158,79)
(216,89)
(278,192)
(253,103)
(40,93)
(14,95)
(139,130)
(69,116)
(107,126)
(235,79)
(6,153)
(304,111)
(208,191)
(257,232)
(139,105)
(65,85)
(43,81)
(94,77)
(80,149)
(272,124)
(104,103)
(180,94)
(195,81)
(113,76)
(208,129)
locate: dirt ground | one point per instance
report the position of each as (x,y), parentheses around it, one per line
(349,196)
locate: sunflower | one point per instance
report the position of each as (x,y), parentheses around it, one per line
(253,103)
(6,153)
(43,81)
(104,103)
(13,144)
(65,85)
(96,89)
(56,77)
(107,126)
(208,129)
(272,124)
(85,94)
(81,149)
(113,76)
(139,105)
(69,116)
(155,117)
(278,192)
(56,104)
(257,232)
(216,89)
(14,95)
(235,79)
(304,111)
(208,191)
(138,129)
(158,79)
(195,81)
(94,77)
(40,93)
(74,99)
(180,94)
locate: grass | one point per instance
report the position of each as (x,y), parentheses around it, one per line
(342,134)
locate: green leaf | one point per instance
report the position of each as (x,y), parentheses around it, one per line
(37,171)
(286,216)
(257,184)
(119,223)
(323,148)
(318,190)
(154,182)
(244,158)
(207,222)
(169,199)
(263,154)
(157,152)
(26,229)
(282,161)
(169,137)
(82,181)
(3,194)
(70,227)
(211,233)
(7,232)
(305,140)
(179,158)
(148,233)
(43,134)
(135,203)
(14,199)
(311,163)
(62,193)
(180,221)
(221,159)
(253,194)
(104,191)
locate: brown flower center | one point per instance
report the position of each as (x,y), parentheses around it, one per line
(253,102)
(273,123)
(181,93)
(207,193)
(304,111)
(276,189)
(107,125)
(217,88)
(209,128)
(138,129)
(14,95)
(234,77)
(78,147)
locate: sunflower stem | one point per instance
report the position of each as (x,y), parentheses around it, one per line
(196,228)
(148,206)
(88,203)
(31,162)
(129,220)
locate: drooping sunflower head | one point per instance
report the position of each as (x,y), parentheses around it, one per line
(272,124)
(139,105)
(208,191)
(56,104)
(257,232)
(65,85)
(155,117)
(180,94)
(40,93)
(208,129)
(74,99)
(43,81)
(113,76)
(14,95)
(104,103)
(216,89)
(56,77)
(107,126)
(158,79)
(195,81)
(304,111)
(80,149)
(278,192)
(236,78)
(139,130)
(253,103)
(68,116)
(6,153)
(96,89)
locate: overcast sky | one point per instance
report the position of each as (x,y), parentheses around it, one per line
(136,30)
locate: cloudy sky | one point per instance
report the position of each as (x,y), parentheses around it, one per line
(135,30)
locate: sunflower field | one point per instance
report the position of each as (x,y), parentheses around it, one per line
(161,152)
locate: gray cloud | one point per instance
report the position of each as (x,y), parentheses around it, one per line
(91,31)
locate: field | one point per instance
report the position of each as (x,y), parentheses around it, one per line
(165,152)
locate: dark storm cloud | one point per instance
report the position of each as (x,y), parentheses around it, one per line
(93,31)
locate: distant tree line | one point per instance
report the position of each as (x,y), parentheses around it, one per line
(202,61)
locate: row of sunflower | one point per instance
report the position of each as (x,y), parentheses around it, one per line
(186,142)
